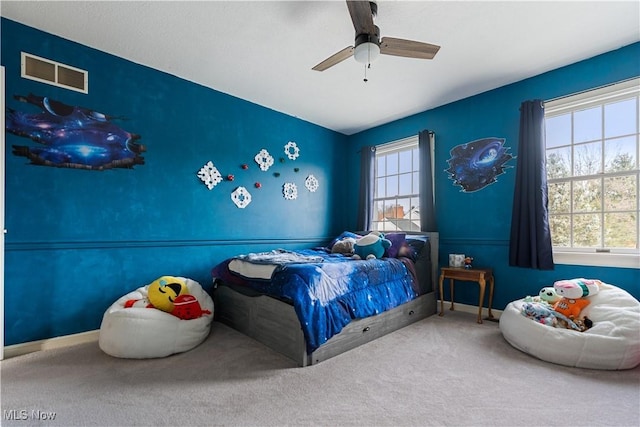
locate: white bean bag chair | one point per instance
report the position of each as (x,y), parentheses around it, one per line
(140,333)
(612,343)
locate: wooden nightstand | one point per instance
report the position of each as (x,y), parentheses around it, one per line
(480,275)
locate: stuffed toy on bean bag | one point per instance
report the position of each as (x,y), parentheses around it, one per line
(612,342)
(574,295)
(134,328)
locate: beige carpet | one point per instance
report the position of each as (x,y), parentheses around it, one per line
(440,371)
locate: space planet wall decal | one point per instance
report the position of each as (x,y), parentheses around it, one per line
(478,163)
(241,197)
(209,175)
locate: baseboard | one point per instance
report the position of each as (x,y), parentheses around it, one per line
(90,336)
(50,343)
(473,309)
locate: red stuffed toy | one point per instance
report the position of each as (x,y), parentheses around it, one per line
(187,307)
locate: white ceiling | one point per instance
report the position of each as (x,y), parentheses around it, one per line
(263,51)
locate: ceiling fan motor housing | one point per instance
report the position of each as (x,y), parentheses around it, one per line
(371,38)
(367,47)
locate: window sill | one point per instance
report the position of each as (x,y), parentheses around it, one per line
(597,259)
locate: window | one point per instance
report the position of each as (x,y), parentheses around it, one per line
(592,152)
(396,204)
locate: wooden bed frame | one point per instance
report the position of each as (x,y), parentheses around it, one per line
(274,322)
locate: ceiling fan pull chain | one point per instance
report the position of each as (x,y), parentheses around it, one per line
(365,72)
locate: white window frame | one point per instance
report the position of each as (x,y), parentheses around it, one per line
(603,257)
(401,145)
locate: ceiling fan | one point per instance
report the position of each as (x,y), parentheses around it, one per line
(368,44)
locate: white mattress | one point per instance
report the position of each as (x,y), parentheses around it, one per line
(612,343)
(252,270)
(140,333)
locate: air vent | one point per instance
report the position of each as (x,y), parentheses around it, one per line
(57,74)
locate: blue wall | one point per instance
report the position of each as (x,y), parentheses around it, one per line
(479,223)
(77,240)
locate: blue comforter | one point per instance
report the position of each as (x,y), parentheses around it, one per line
(329,293)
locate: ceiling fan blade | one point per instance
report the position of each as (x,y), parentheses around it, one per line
(408,48)
(334,59)
(361,16)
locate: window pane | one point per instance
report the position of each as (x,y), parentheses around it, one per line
(587,195)
(558,130)
(405,161)
(620,230)
(587,159)
(559,197)
(587,125)
(586,230)
(392,186)
(381,169)
(560,230)
(416,183)
(392,210)
(416,159)
(405,184)
(381,189)
(620,193)
(415,213)
(559,163)
(392,163)
(378,210)
(403,208)
(620,154)
(620,118)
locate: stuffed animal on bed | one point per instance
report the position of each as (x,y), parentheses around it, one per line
(344,246)
(371,246)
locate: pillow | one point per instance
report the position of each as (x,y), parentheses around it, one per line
(397,241)
(414,246)
(407,251)
(342,236)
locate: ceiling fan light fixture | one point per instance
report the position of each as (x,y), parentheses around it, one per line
(366,52)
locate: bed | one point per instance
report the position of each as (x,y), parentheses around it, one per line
(312,304)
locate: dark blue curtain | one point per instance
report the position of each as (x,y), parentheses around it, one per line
(365,199)
(426,140)
(530,243)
